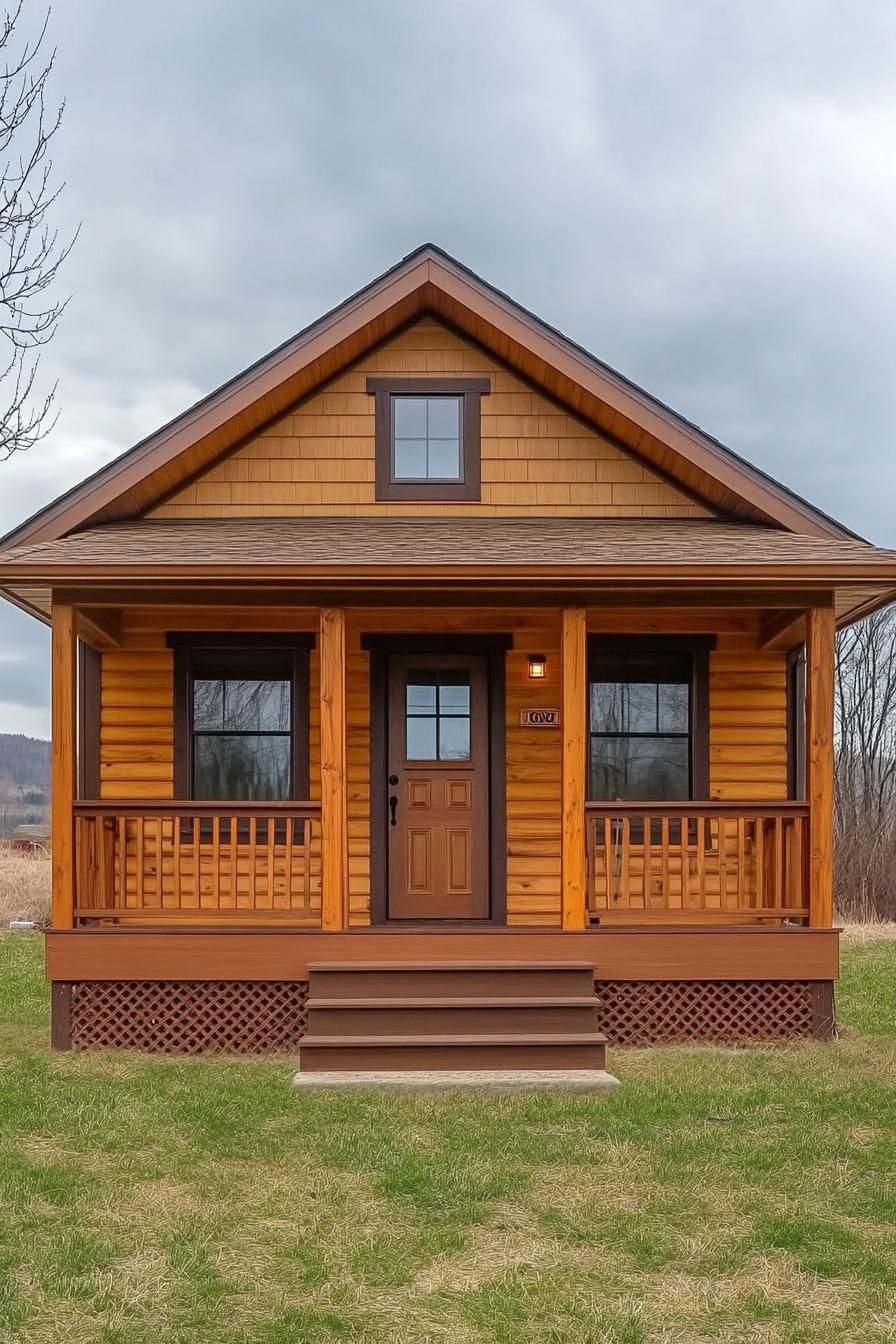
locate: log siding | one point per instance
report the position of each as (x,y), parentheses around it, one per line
(747,721)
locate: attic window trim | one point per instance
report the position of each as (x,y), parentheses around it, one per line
(470,391)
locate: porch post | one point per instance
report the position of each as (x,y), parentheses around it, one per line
(820,654)
(573,913)
(64,650)
(333,785)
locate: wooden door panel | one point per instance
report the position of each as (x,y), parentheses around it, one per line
(438,768)
(418,851)
(458,794)
(419,793)
(459,868)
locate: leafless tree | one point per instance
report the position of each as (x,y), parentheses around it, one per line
(866,768)
(31,250)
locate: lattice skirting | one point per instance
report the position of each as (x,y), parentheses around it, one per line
(723,1011)
(188,1017)
(180,1017)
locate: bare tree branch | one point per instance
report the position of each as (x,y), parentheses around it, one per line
(31,251)
(865,818)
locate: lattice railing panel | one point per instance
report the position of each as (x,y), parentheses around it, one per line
(188,1017)
(724,1011)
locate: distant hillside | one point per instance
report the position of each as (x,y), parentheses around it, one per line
(24,763)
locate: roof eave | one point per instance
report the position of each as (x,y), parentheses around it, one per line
(624,574)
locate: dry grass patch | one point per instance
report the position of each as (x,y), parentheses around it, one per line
(24,887)
(868,933)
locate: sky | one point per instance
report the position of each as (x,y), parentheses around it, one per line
(702,195)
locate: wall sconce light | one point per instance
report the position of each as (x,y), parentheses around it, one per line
(537,666)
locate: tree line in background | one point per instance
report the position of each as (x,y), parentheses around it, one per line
(865,819)
(24,781)
(24,762)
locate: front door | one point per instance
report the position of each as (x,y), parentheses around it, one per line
(438,787)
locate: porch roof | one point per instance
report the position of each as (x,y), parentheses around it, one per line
(621,552)
(426,542)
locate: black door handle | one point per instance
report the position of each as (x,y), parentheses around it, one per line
(393,807)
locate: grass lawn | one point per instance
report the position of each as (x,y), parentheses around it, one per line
(718,1195)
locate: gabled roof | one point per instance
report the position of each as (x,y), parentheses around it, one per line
(428,281)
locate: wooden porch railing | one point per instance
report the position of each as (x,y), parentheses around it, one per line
(161,861)
(668,861)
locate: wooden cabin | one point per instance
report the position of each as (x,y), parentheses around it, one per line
(431,663)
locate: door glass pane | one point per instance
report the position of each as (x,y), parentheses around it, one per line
(421,692)
(437,714)
(421,738)
(243,768)
(454,739)
(651,769)
(454,692)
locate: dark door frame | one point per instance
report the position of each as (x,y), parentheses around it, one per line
(495,647)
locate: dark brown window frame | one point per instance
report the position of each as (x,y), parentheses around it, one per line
(90,665)
(796,723)
(186,646)
(471,391)
(698,647)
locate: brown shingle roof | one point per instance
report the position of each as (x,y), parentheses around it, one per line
(356,543)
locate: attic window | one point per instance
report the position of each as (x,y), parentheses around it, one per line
(428,437)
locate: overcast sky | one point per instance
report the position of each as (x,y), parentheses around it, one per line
(703,195)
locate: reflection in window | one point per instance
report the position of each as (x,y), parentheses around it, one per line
(639,727)
(426,439)
(438,715)
(242,739)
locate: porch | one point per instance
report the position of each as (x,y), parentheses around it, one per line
(181,924)
(559,858)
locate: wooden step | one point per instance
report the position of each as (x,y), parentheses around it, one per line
(563,1050)
(441,980)
(406,1016)
(452,1016)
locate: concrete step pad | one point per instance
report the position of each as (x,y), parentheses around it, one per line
(446,1080)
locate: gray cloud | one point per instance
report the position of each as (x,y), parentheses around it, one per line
(706,198)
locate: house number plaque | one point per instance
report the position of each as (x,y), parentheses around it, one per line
(539,718)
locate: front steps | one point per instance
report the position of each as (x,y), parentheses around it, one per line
(374,1020)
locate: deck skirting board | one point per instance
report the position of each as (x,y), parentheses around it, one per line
(254,1017)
